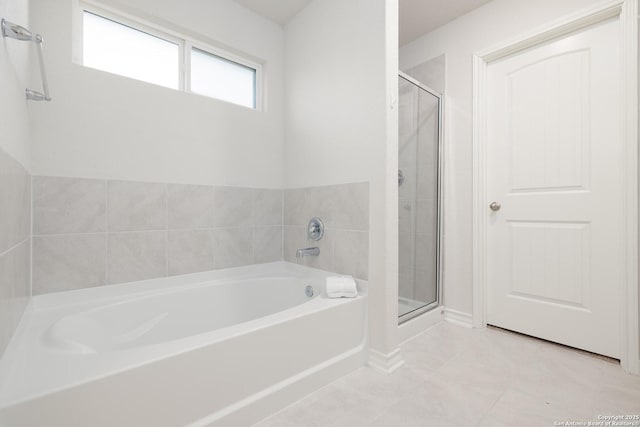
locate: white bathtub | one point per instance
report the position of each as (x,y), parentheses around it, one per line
(221,348)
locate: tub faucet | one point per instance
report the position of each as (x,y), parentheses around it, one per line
(301,253)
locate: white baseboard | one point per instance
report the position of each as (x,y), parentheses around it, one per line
(458,318)
(385,363)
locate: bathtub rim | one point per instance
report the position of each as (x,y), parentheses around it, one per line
(78,296)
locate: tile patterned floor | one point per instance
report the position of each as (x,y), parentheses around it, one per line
(455,376)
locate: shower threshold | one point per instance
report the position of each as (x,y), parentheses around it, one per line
(409,308)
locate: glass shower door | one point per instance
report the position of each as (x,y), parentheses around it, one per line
(418,198)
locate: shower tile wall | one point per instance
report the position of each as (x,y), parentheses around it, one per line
(344,209)
(15,250)
(96,232)
(431,73)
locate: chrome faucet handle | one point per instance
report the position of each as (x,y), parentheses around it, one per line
(315,229)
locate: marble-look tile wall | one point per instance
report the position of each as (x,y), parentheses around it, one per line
(344,209)
(15,249)
(96,232)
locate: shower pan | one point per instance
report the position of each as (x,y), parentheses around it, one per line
(419,197)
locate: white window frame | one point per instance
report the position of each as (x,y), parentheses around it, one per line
(185,45)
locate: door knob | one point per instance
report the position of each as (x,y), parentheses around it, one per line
(495,206)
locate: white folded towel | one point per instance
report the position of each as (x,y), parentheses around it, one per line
(341,287)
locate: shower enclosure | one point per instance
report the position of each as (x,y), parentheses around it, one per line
(420,120)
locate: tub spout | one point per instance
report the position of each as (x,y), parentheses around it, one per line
(301,253)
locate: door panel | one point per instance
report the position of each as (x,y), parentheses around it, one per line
(550,262)
(554,164)
(549,145)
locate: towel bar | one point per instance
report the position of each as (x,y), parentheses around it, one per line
(18,32)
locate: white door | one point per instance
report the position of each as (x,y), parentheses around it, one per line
(554,261)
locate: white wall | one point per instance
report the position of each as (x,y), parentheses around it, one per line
(489,25)
(334,92)
(14,73)
(100,125)
(341,70)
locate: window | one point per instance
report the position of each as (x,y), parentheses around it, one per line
(143,52)
(217,77)
(119,49)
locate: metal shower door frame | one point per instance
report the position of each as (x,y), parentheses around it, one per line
(439,198)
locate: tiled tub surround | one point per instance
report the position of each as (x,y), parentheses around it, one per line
(15,251)
(344,210)
(90,232)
